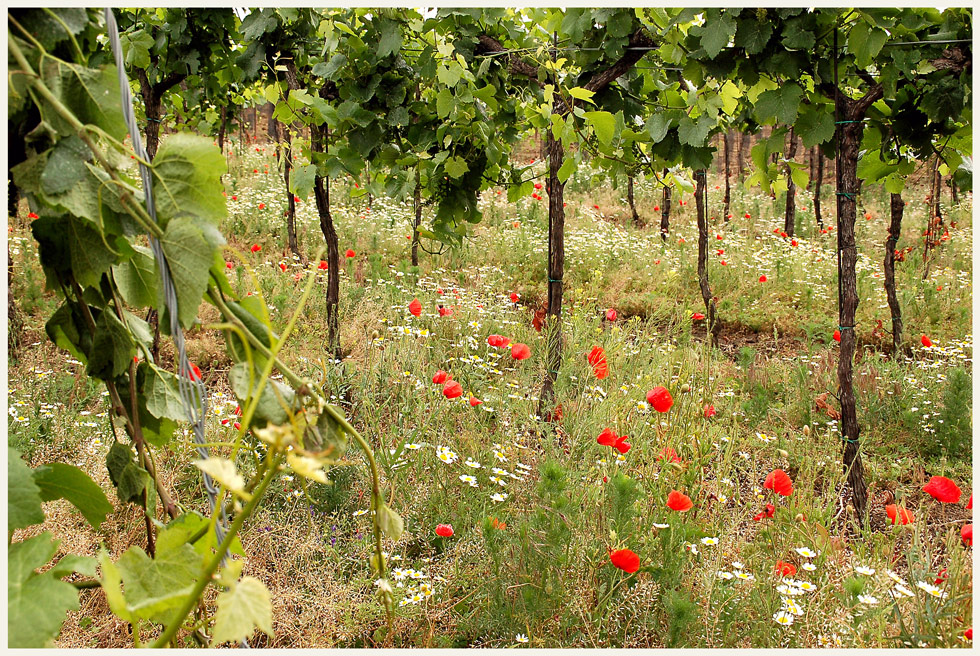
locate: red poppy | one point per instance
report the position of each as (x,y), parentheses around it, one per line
(475,401)
(229,265)
(256,248)
(723,263)
(794,243)
(782,234)
(237,426)
(514,297)
(255,170)
(926,341)
(537,185)
(698,316)
(621,445)
(611,314)
(899,515)
(520,351)
(195,372)
(597,358)
(785,569)
(837,335)
(669,455)
(234,197)
(969,505)
(966,533)
(779,482)
(282,265)
(679,501)
(350,253)
(498,340)
(968,634)
(941,577)
(660,399)
(415,307)
(323,265)
(261,206)
(625,560)
(718,237)
(942,489)
(709,411)
(444,312)
(444,530)
(596,206)
(607,437)
(748,216)
(31,215)
(441,377)
(767,513)
(656,208)
(763,278)
(452,389)
(720,251)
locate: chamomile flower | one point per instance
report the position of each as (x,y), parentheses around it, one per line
(358,513)
(466,478)
(521,638)
(473,464)
(725,575)
(499,496)
(744,576)
(806,552)
(931,589)
(867,571)
(868,600)
(810,567)
(783,618)
(901,591)
(412,446)
(708,542)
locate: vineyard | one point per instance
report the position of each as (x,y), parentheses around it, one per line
(488,327)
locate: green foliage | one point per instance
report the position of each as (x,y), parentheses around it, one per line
(36,603)
(61,481)
(23,494)
(954,431)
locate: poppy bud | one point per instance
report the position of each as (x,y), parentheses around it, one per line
(782,453)
(800,518)
(806,430)
(685,388)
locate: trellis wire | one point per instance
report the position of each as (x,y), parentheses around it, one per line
(192,392)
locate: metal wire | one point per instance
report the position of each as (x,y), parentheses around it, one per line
(192,391)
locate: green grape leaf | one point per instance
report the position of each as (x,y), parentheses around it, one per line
(72,564)
(781,105)
(112,349)
(694,133)
(136,278)
(155,587)
(456,166)
(90,257)
(91,95)
(567,169)
(604,124)
(61,481)
(63,328)
(269,408)
(36,603)
(865,42)
(753,35)
(162,392)
(390,522)
(187,174)
(301,180)
(581,94)
(186,526)
(65,166)
(716,33)
(243,608)
(189,255)
(23,495)
(390,39)
(657,126)
(815,125)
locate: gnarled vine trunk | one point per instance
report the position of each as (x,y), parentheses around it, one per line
(818,185)
(789,221)
(728,174)
(321,192)
(556,271)
(700,200)
(891,245)
(665,213)
(632,203)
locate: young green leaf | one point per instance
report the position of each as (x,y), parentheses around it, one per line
(61,481)
(23,495)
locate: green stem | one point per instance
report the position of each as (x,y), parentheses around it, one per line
(211,568)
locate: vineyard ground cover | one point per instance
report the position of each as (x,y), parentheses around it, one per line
(489,584)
